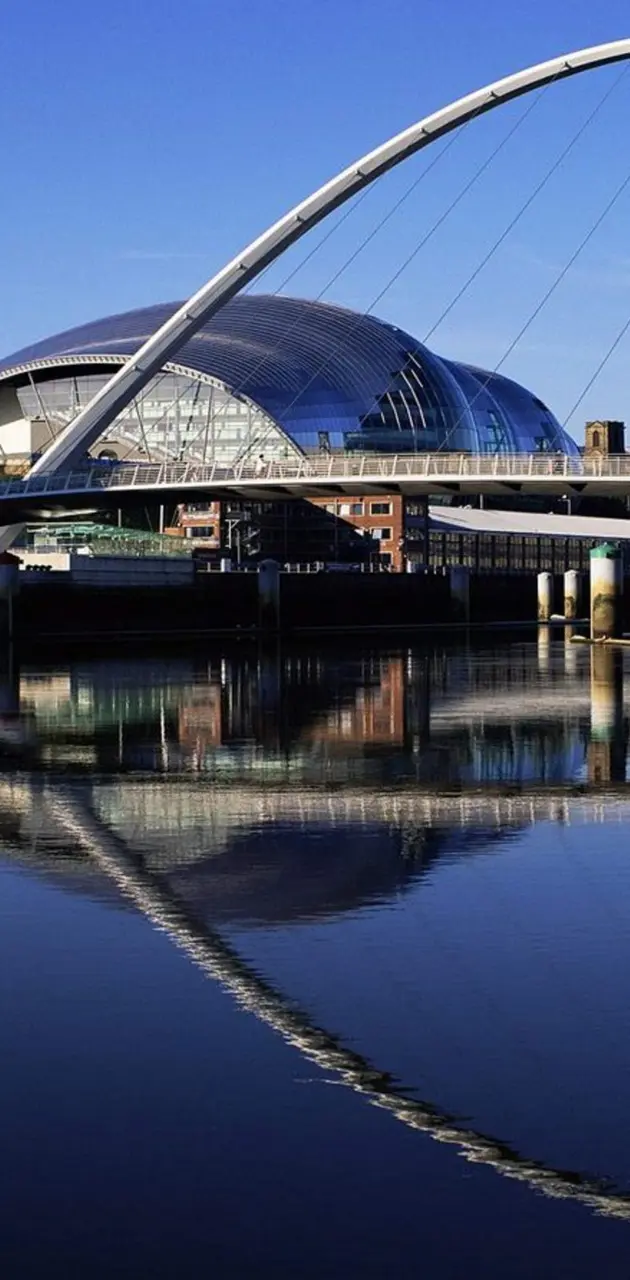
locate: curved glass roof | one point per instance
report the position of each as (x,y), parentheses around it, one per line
(332,378)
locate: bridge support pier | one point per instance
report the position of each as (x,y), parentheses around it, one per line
(606,567)
(571,594)
(269,595)
(9,589)
(459,581)
(545,596)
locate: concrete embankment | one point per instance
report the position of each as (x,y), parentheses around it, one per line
(53,606)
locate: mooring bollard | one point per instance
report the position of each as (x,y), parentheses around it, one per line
(269,595)
(606,567)
(545,596)
(459,583)
(571,594)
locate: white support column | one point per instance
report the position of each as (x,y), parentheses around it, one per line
(606,566)
(545,596)
(571,594)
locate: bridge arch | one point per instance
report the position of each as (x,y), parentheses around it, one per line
(162,345)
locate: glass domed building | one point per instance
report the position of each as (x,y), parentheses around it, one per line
(277,376)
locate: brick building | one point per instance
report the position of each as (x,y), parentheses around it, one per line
(385,530)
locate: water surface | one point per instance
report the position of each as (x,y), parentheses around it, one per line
(315,963)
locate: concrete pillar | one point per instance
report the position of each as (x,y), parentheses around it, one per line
(606,567)
(459,581)
(225,564)
(269,595)
(545,596)
(606,755)
(9,588)
(571,594)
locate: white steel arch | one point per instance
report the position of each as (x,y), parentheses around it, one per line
(170,337)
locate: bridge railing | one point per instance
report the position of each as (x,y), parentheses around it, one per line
(371,467)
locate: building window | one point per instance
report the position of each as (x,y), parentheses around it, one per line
(380,508)
(356,508)
(595,440)
(381,535)
(201,531)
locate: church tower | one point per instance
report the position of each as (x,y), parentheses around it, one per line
(603,438)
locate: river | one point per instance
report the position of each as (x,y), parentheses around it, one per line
(315,962)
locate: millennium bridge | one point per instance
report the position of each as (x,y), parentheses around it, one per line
(302,477)
(418,474)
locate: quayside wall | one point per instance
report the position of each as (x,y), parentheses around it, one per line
(52,606)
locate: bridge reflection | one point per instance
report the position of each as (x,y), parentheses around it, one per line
(203,793)
(410,756)
(150,892)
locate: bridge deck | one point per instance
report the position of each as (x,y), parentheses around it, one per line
(354,474)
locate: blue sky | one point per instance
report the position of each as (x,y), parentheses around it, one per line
(145,144)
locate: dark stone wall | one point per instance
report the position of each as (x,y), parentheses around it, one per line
(229,603)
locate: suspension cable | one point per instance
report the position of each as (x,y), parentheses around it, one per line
(527,204)
(543,302)
(431,231)
(602,365)
(585,124)
(540,186)
(371,235)
(457,134)
(240,386)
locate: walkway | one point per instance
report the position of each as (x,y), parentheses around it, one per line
(419,474)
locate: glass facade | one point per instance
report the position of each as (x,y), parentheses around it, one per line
(273,375)
(177,417)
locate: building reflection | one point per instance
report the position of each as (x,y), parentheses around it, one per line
(442,717)
(264,787)
(231,772)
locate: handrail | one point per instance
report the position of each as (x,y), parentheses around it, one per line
(368,468)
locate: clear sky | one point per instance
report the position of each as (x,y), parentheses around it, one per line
(145,141)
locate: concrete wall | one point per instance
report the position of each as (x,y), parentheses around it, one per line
(30,560)
(129,571)
(114,600)
(18,435)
